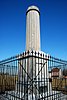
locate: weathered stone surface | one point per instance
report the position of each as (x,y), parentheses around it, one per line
(33,29)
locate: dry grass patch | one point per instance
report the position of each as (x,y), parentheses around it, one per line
(7,82)
(59,84)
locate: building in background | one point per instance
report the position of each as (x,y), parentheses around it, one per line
(56,73)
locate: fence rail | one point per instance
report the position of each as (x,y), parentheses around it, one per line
(33,76)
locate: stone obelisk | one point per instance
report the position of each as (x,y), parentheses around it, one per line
(32,28)
(33,43)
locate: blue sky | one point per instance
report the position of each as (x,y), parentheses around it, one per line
(53,21)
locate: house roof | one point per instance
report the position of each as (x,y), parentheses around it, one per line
(55,70)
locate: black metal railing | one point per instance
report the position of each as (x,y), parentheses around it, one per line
(33,76)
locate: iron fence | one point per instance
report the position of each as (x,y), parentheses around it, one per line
(33,76)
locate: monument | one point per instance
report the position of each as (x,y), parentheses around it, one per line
(33,28)
(33,71)
(38,70)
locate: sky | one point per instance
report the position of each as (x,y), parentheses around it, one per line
(53,27)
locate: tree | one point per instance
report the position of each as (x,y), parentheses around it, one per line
(65,72)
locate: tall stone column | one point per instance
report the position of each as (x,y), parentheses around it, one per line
(33,28)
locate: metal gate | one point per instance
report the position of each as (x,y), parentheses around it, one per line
(33,76)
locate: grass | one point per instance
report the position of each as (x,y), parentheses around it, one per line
(59,84)
(7,82)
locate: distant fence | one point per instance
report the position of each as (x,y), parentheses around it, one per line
(33,76)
